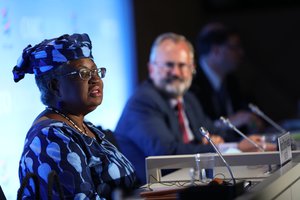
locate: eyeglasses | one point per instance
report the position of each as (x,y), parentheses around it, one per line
(86,74)
(171,65)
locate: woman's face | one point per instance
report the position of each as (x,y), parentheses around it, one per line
(80,96)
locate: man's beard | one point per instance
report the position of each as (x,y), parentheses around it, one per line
(175,87)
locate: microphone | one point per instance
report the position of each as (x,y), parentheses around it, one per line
(257,111)
(205,133)
(230,125)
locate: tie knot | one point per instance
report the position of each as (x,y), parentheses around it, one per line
(179,106)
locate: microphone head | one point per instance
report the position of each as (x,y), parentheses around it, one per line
(204,132)
(224,120)
(254,108)
(227,122)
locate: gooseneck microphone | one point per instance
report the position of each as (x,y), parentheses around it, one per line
(230,125)
(227,122)
(205,133)
(257,111)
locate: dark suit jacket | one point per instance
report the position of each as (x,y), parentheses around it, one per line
(149,127)
(203,90)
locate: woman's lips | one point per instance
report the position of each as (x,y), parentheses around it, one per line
(95,91)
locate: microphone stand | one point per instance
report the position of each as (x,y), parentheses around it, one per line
(257,111)
(230,125)
(205,133)
(227,122)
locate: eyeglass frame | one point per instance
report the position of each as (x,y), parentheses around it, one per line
(171,65)
(91,73)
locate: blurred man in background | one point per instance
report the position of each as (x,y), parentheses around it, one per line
(220,53)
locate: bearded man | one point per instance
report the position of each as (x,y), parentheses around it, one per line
(162,117)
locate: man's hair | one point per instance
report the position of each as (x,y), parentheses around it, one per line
(169,36)
(215,36)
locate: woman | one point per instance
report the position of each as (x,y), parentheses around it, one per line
(88,166)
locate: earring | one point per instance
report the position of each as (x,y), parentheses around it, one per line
(194,72)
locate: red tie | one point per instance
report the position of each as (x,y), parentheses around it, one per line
(181,123)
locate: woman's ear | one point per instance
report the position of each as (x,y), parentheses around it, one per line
(53,86)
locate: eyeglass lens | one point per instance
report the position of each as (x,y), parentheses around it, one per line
(87,74)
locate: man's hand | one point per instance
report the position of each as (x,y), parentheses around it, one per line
(246,146)
(215,138)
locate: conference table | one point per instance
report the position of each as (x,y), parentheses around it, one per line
(260,174)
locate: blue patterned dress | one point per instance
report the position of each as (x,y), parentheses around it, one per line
(88,168)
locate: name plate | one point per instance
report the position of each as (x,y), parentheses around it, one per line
(285,149)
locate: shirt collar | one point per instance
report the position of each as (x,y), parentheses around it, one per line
(174,102)
(213,78)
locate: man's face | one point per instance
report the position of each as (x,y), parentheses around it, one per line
(172,69)
(231,54)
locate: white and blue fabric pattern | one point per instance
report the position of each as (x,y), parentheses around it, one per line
(88,168)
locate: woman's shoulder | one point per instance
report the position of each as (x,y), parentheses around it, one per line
(48,128)
(47,124)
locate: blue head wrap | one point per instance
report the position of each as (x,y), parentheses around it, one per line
(52,53)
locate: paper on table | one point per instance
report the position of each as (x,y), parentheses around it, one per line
(229,147)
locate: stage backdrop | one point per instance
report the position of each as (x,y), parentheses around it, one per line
(110,26)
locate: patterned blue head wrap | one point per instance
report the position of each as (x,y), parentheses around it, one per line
(52,53)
